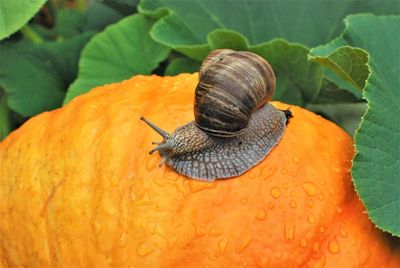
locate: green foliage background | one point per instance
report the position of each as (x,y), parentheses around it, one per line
(340,59)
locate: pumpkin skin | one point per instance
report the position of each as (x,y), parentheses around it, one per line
(78,188)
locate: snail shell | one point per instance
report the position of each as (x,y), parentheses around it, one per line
(234,128)
(232,85)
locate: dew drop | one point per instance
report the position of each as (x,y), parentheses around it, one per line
(285,186)
(244,183)
(295,160)
(269,171)
(343,232)
(321,229)
(263,261)
(200,231)
(244,200)
(152,163)
(275,192)
(215,231)
(160,181)
(144,249)
(197,186)
(310,204)
(311,219)
(278,255)
(315,247)
(339,210)
(292,194)
(303,243)
(243,245)
(321,197)
(222,246)
(293,204)
(289,230)
(309,188)
(285,194)
(284,171)
(271,205)
(334,247)
(260,215)
(331,191)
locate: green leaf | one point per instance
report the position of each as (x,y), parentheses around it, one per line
(126,7)
(376,165)
(182,65)
(346,115)
(35,76)
(5,124)
(68,23)
(348,62)
(15,14)
(298,80)
(117,53)
(98,16)
(186,24)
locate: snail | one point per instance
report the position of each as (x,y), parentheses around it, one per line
(235,127)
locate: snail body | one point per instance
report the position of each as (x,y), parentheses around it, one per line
(234,128)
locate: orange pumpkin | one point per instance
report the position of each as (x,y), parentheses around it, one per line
(78,188)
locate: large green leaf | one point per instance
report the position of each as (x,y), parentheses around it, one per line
(16,13)
(309,22)
(35,76)
(117,53)
(376,165)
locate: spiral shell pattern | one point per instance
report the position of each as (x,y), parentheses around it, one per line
(232,86)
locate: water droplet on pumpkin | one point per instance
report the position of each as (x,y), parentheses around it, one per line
(151,163)
(269,171)
(293,204)
(343,232)
(244,183)
(160,181)
(271,205)
(333,246)
(292,194)
(339,210)
(310,204)
(197,186)
(200,231)
(311,219)
(337,170)
(275,192)
(285,186)
(309,188)
(278,255)
(285,194)
(263,261)
(260,215)
(222,246)
(315,247)
(289,230)
(321,197)
(244,200)
(215,231)
(331,191)
(284,171)
(295,160)
(145,249)
(321,229)
(303,243)
(244,244)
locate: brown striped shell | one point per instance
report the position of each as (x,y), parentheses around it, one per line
(232,86)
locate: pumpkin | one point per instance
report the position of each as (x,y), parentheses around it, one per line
(78,188)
